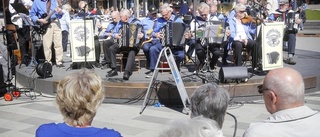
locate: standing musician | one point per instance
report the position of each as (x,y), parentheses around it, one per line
(53,33)
(22,31)
(201,48)
(148,27)
(83,6)
(241,34)
(110,41)
(125,17)
(155,49)
(290,33)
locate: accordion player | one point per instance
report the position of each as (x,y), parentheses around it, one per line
(173,34)
(129,35)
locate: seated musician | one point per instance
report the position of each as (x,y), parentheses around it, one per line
(88,14)
(157,35)
(110,41)
(201,47)
(148,26)
(241,34)
(290,33)
(125,17)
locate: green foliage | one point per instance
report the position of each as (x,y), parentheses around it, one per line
(313,14)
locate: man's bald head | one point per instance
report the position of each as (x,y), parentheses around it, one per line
(288,86)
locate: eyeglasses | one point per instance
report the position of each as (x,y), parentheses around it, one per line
(165,14)
(260,89)
(243,11)
(203,15)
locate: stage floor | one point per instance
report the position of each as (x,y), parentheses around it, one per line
(308,64)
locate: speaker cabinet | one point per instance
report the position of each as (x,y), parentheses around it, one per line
(168,95)
(233,74)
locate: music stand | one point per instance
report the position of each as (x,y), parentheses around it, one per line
(211,33)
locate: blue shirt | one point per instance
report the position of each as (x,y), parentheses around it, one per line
(39,8)
(162,22)
(147,24)
(65,21)
(109,29)
(63,130)
(120,24)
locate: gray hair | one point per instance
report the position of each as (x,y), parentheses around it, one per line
(203,6)
(196,127)
(288,84)
(166,7)
(211,101)
(125,12)
(239,7)
(66,7)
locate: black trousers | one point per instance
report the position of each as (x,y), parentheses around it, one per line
(129,53)
(97,49)
(65,35)
(23,37)
(201,52)
(237,50)
(106,45)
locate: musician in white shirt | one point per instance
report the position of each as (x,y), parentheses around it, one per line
(22,31)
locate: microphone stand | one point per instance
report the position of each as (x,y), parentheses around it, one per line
(85,64)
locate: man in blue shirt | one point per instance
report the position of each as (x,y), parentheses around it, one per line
(148,26)
(110,41)
(53,32)
(154,50)
(125,17)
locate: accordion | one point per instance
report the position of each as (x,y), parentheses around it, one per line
(273,57)
(173,34)
(213,33)
(291,25)
(129,35)
(83,51)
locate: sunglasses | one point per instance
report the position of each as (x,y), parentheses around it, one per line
(260,89)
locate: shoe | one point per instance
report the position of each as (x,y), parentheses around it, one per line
(126,75)
(60,66)
(112,73)
(149,74)
(291,61)
(97,65)
(104,67)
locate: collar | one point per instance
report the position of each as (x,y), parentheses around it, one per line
(291,114)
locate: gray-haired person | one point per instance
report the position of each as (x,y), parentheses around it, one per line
(210,101)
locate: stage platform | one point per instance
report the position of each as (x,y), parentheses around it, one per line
(308,64)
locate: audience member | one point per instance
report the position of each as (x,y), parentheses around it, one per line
(210,101)
(196,127)
(78,98)
(283,94)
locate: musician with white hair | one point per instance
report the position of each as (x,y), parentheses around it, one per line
(154,51)
(125,17)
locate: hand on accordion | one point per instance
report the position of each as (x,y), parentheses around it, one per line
(140,35)
(188,35)
(298,21)
(158,35)
(117,36)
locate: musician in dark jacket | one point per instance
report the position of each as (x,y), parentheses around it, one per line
(53,32)
(110,41)
(157,35)
(125,17)
(289,36)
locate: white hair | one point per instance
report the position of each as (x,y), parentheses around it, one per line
(195,127)
(166,7)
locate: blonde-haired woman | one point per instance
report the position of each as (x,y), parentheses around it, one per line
(78,97)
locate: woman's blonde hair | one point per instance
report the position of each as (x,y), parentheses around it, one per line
(78,97)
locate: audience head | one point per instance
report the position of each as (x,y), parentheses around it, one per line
(196,127)
(166,11)
(79,96)
(282,89)
(115,16)
(244,2)
(203,10)
(213,8)
(210,101)
(125,15)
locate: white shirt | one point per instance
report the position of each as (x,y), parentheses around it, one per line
(240,32)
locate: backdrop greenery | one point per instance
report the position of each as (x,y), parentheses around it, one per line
(313,14)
